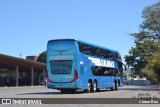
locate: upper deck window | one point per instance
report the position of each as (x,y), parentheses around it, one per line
(96,51)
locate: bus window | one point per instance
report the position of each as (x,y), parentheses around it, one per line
(104,71)
(98,52)
(61,67)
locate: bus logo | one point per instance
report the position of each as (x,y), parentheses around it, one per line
(103,63)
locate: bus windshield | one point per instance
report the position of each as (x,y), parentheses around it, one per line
(61,66)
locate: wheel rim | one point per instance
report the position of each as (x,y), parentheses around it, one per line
(95,86)
(89,86)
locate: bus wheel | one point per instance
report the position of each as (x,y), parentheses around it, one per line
(114,87)
(88,90)
(98,90)
(94,86)
(63,91)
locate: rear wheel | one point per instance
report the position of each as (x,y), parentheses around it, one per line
(88,90)
(94,87)
(98,90)
(63,91)
(117,86)
(114,87)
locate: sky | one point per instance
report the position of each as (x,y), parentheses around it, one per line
(27,25)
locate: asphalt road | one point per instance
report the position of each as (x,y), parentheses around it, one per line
(43,92)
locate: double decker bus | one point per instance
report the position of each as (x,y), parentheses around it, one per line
(74,64)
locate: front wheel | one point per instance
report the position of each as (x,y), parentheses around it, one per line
(88,90)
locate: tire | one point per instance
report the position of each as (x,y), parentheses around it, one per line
(114,87)
(94,87)
(88,90)
(98,90)
(63,91)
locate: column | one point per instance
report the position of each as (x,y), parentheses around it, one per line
(44,78)
(17,75)
(32,76)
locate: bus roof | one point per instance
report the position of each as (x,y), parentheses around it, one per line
(85,43)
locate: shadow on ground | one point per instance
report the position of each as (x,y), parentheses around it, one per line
(147,88)
(103,90)
(59,93)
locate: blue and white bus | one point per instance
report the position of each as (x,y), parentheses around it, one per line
(73,64)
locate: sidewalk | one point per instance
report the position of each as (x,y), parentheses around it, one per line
(6,87)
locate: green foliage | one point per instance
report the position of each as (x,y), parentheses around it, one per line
(144,57)
(151,21)
(140,55)
(152,68)
(42,57)
(150,27)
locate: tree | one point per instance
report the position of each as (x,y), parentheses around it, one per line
(140,55)
(147,44)
(150,27)
(42,57)
(152,69)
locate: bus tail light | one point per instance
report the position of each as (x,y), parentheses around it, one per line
(75,76)
(47,78)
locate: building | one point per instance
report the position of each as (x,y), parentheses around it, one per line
(17,71)
(129,78)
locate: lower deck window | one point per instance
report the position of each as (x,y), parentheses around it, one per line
(104,71)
